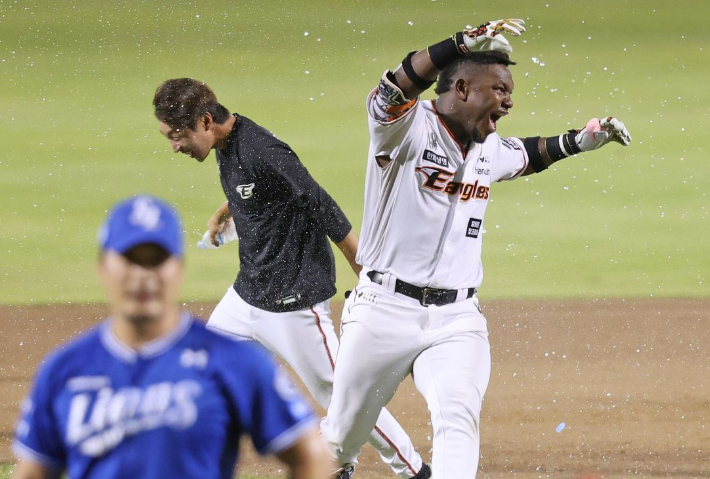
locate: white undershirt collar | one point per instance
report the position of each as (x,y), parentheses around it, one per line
(150,349)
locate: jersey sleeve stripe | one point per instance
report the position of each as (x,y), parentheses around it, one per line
(562,146)
(28,454)
(386,113)
(395,111)
(289,437)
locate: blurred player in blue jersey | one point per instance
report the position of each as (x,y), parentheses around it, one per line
(150,393)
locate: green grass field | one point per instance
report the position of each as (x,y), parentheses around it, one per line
(78,131)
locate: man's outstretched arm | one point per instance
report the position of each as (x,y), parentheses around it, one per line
(419,70)
(542,152)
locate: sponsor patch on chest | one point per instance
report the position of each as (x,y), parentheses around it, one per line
(474,227)
(434,158)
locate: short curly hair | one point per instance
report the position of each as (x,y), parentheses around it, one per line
(180,102)
(446,77)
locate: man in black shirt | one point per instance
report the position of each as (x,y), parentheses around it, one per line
(287,273)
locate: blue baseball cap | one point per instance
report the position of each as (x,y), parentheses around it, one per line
(139,220)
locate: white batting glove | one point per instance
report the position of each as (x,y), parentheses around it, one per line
(598,133)
(488,36)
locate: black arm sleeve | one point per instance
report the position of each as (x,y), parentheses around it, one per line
(542,152)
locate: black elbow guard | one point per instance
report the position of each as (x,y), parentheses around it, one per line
(421,83)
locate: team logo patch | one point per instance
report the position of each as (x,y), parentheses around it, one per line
(433,140)
(474,227)
(145,213)
(439,179)
(194,359)
(246,191)
(434,158)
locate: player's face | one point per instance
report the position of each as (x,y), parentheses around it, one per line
(195,143)
(142,284)
(490,89)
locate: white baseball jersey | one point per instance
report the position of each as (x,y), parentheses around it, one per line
(424,211)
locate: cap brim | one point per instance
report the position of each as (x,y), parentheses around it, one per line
(128,241)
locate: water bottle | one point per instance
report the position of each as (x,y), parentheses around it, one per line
(228,234)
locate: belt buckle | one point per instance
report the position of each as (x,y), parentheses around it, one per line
(426,292)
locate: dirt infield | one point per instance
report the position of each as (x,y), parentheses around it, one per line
(629,380)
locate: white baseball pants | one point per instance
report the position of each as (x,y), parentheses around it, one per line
(386,336)
(306,340)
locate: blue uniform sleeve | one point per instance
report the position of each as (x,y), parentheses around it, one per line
(269,406)
(37,437)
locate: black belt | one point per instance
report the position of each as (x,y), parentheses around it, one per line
(426,296)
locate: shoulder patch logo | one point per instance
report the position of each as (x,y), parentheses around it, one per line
(434,158)
(510,144)
(246,191)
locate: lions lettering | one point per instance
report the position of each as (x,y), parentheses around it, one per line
(98,422)
(438,179)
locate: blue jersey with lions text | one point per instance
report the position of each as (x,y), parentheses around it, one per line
(176,408)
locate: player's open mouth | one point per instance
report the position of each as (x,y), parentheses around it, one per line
(493,120)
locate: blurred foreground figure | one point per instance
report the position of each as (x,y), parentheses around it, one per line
(150,392)
(430,169)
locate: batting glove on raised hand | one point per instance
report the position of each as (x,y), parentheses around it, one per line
(598,133)
(488,36)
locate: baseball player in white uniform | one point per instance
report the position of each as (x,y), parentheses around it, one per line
(430,168)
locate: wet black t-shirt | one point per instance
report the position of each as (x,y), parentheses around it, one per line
(283,219)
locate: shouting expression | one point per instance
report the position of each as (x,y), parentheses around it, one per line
(484,93)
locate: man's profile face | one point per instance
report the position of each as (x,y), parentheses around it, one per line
(489,99)
(195,143)
(143,283)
